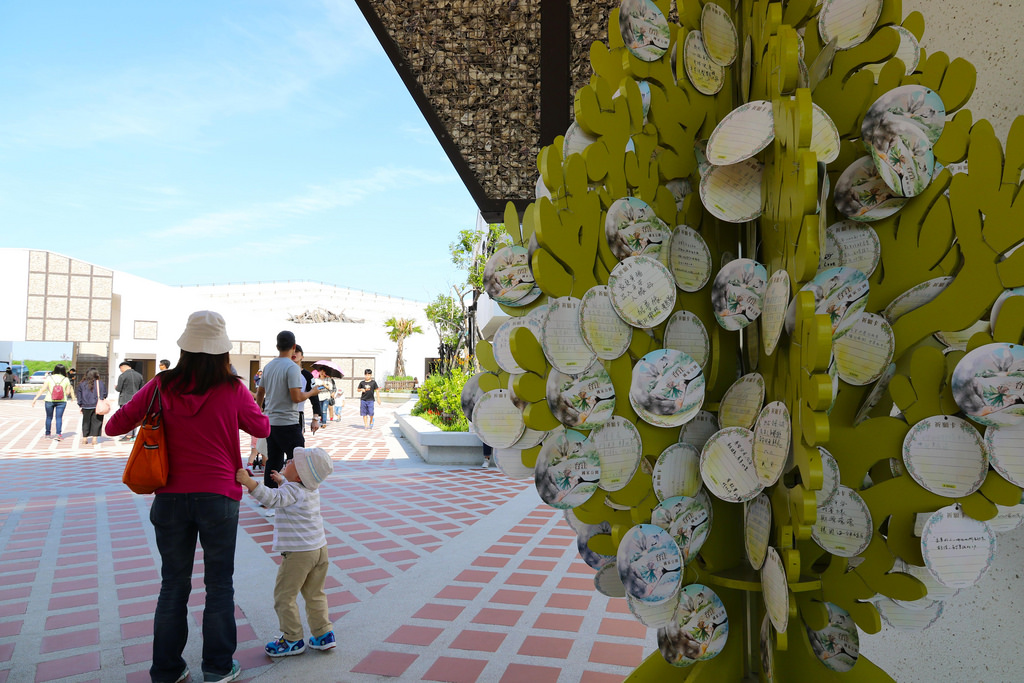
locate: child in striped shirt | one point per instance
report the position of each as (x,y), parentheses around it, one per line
(299,537)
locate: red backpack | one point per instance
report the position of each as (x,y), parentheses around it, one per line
(57,393)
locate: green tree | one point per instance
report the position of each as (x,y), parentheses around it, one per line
(398,330)
(449,320)
(470,252)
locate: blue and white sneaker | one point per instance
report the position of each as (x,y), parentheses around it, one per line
(283,647)
(324,642)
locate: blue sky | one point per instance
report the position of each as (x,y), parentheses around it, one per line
(222,141)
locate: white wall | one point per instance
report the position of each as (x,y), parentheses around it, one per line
(14,285)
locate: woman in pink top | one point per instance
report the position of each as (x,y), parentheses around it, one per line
(204,406)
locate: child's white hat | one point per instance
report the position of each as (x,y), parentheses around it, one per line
(313,465)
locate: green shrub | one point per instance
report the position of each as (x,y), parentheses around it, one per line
(440,401)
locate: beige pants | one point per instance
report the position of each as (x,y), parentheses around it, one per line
(303,572)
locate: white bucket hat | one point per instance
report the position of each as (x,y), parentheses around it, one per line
(313,465)
(205,332)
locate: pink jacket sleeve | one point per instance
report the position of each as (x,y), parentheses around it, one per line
(131,413)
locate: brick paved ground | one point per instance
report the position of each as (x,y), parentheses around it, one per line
(438,574)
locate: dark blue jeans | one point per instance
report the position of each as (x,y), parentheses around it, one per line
(178,518)
(51,408)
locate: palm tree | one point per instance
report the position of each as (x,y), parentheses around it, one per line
(398,330)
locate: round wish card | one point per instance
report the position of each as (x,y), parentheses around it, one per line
(583,536)
(496,420)
(856,245)
(824,135)
(649,563)
(510,462)
(719,33)
(507,277)
(699,630)
(776,300)
(843,527)
(988,384)
(936,591)
(501,344)
(838,644)
(829,480)
(775,589)
(733,193)
(562,339)
(667,388)
(767,649)
(643,291)
(738,293)
(677,472)
(727,465)
(898,131)
(902,108)
(687,520)
(689,258)
(653,615)
(581,401)
(875,395)
(997,305)
(680,189)
(907,619)
(685,332)
(607,582)
(772,435)
(632,228)
(862,195)
(644,29)
(566,474)
(957,340)
(619,449)
(863,354)
(946,456)
(915,297)
(576,140)
(850,22)
(1005,447)
(742,133)
(697,431)
(471,393)
(705,75)
(757,528)
(957,550)
(742,402)
(604,332)
(1008,518)
(842,294)
(909,52)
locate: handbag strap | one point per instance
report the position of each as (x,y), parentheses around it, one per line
(150,413)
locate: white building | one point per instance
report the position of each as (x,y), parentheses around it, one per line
(112,316)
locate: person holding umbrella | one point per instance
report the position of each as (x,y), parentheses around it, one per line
(328,372)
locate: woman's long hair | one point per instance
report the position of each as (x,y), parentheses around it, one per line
(92,375)
(59,369)
(197,373)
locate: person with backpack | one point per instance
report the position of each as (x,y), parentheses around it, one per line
(57,388)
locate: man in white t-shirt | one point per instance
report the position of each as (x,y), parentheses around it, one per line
(281,395)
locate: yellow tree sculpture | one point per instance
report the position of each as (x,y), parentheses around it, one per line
(843,521)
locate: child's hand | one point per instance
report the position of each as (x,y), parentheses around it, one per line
(243,478)
(276,476)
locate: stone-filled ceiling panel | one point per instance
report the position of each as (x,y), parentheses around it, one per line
(478,63)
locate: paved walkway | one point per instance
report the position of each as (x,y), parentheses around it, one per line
(437,573)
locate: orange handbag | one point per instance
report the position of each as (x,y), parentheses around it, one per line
(146,470)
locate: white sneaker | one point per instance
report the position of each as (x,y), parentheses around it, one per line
(270,512)
(487,462)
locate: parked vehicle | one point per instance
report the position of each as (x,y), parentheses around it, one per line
(38,377)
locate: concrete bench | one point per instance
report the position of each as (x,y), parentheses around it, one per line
(438,447)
